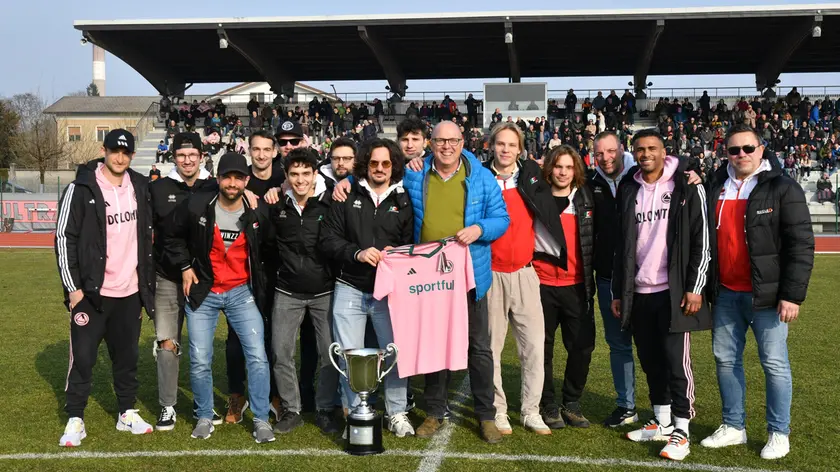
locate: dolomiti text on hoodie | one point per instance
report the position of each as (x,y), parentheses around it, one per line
(121,244)
(653,208)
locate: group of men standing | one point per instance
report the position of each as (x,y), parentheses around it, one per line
(289,245)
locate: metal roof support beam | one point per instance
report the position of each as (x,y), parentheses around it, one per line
(386,59)
(787,44)
(165,85)
(646,58)
(281,82)
(513,57)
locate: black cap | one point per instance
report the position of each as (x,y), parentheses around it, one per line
(186,140)
(119,138)
(233,162)
(290,127)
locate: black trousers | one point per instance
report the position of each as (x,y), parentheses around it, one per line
(479,364)
(569,309)
(665,356)
(118,323)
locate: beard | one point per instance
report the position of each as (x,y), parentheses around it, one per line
(231,194)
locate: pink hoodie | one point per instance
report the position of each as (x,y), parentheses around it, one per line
(653,208)
(121,229)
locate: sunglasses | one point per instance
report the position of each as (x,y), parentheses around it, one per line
(293,142)
(375,165)
(735,150)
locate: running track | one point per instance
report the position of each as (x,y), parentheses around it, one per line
(825,244)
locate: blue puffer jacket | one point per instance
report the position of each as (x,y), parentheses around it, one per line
(485,208)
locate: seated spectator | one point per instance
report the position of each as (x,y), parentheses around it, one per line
(161,151)
(824,189)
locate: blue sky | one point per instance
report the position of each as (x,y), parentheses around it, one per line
(43,53)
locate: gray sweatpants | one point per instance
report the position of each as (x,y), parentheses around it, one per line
(169,322)
(285,325)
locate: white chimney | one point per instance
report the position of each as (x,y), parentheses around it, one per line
(99,69)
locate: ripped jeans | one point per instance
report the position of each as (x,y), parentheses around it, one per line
(244,317)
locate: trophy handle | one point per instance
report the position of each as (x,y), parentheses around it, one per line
(389,350)
(335,348)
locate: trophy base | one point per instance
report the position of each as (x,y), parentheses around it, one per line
(364,436)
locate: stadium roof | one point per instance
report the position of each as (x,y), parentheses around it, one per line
(760,40)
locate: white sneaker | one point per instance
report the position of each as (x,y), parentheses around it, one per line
(777,446)
(536,424)
(74,432)
(400,426)
(677,448)
(503,424)
(131,421)
(651,431)
(724,436)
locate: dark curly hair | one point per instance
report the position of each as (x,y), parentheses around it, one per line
(360,168)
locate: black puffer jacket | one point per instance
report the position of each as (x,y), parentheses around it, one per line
(779,235)
(357,224)
(303,271)
(688,251)
(81,237)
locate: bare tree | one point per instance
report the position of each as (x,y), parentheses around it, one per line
(9,127)
(38,143)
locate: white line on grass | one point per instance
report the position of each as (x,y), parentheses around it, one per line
(434,454)
(391,452)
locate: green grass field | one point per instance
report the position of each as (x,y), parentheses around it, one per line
(34,360)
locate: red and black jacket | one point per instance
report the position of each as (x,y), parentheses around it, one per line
(189,239)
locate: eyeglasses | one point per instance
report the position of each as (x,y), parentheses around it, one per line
(183,157)
(735,150)
(375,164)
(343,158)
(441,141)
(293,142)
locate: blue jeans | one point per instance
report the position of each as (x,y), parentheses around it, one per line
(733,315)
(351,308)
(245,319)
(621,349)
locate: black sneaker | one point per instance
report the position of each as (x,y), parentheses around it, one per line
(325,421)
(166,420)
(217,418)
(621,416)
(289,420)
(552,417)
(409,402)
(573,416)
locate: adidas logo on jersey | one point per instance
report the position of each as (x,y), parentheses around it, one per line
(412,271)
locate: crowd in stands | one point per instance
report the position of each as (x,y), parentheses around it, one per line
(803,133)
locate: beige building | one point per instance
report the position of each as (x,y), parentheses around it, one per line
(83,122)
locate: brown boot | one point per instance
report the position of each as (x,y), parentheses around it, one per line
(237,404)
(490,433)
(429,427)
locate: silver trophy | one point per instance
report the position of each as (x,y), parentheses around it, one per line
(364,374)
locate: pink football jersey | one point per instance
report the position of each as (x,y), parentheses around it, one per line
(427,285)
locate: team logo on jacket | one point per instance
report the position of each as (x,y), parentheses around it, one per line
(172,199)
(282,214)
(598,190)
(92,201)
(357,204)
(393,209)
(666,198)
(588,214)
(533,180)
(81,319)
(764,212)
(445,266)
(202,221)
(256,225)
